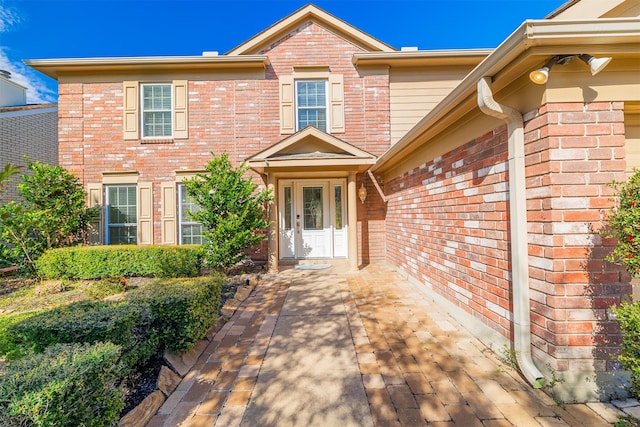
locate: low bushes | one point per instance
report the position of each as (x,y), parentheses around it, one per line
(74,383)
(66,385)
(122,323)
(182,310)
(8,345)
(628,317)
(97,262)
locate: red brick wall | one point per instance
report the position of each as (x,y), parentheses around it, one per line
(240,117)
(573,151)
(366,97)
(371,223)
(447,226)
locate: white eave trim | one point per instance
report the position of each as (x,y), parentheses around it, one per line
(375,58)
(52,67)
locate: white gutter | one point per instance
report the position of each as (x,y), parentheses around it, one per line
(518,223)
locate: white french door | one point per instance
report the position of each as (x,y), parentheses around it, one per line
(312,219)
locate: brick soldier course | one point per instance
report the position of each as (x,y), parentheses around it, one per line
(330,348)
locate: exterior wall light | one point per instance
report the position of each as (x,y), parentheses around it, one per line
(541,75)
(362,193)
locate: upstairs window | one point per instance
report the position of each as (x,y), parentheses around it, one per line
(312,96)
(311,104)
(156,111)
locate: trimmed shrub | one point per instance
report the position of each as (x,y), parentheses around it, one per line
(628,317)
(68,385)
(183,309)
(166,314)
(103,288)
(8,345)
(99,262)
(122,323)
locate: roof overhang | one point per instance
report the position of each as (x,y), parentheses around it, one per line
(526,49)
(55,67)
(311,150)
(421,58)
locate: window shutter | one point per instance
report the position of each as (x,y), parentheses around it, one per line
(287,114)
(169,218)
(145,213)
(180,109)
(94,192)
(336,103)
(131,116)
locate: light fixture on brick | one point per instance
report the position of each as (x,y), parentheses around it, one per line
(541,75)
(362,192)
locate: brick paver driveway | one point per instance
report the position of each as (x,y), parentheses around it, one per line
(330,348)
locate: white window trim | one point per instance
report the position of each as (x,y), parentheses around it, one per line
(326,102)
(171,111)
(107,240)
(181,220)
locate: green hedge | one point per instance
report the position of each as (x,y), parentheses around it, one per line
(74,384)
(122,323)
(68,385)
(9,348)
(183,309)
(166,314)
(98,262)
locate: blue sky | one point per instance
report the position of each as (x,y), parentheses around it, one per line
(42,29)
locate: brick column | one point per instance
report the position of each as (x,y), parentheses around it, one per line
(573,150)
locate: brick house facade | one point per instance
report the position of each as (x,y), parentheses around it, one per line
(455,189)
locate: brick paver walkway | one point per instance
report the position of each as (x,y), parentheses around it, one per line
(328,348)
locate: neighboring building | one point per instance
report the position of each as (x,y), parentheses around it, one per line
(493,209)
(25,130)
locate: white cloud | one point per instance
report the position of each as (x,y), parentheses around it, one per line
(8,18)
(37,90)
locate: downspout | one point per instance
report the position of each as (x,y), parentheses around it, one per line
(518,223)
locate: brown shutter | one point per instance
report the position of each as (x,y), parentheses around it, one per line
(145,213)
(287,112)
(180,109)
(169,217)
(131,116)
(336,103)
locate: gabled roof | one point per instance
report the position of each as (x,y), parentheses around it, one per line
(310,148)
(303,15)
(591,9)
